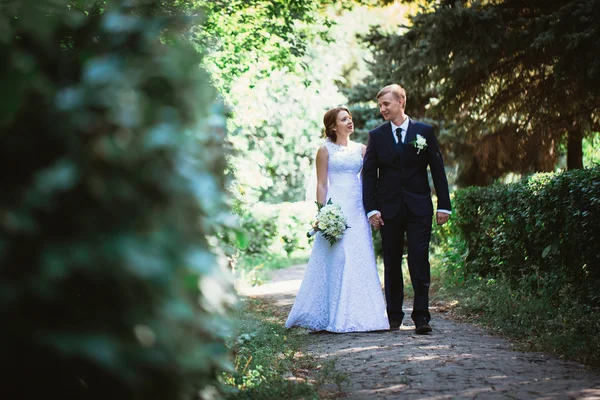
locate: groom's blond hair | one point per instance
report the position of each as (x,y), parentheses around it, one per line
(395,89)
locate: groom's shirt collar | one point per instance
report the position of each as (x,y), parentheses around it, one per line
(403,126)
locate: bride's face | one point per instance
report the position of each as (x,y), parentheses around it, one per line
(344,125)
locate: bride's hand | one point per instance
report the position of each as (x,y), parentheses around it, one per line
(376,221)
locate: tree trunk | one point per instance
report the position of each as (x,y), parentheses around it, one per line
(575,148)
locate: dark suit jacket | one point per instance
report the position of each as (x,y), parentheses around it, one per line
(391,177)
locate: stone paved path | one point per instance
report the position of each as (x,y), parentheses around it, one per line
(456,361)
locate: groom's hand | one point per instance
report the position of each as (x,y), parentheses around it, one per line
(442,217)
(376,221)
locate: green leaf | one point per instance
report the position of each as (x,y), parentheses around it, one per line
(546,251)
(241,239)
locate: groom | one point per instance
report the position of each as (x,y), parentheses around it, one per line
(397,199)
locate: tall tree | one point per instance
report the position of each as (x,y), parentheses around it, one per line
(506,80)
(278,81)
(243,34)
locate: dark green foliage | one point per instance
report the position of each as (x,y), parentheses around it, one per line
(523,260)
(505,81)
(113,177)
(544,230)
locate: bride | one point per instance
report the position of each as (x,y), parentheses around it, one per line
(341,291)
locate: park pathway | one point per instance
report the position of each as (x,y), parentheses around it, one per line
(456,361)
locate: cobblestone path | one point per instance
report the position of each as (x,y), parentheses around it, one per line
(456,361)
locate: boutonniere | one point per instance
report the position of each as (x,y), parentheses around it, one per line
(420,143)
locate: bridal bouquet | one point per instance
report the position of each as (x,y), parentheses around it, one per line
(330,221)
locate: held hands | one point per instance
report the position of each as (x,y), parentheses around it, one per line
(376,221)
(442,217)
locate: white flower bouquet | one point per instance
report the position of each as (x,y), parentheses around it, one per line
(330,221)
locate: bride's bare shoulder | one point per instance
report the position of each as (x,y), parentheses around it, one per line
(322,152)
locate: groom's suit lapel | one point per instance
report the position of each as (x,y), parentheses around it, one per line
(411,135)
(388,140)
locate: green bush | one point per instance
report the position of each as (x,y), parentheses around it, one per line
(270,229)
(544,230)
(521,259)
(449,250)
(113,178)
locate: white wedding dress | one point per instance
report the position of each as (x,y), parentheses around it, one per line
(341,291)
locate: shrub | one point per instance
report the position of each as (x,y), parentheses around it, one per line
(113,175)
(544,230)
(270,229)
(520,259)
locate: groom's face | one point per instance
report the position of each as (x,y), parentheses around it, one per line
(390,107)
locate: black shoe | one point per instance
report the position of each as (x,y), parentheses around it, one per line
(423,329)
(395,325)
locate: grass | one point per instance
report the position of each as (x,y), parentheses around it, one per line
(268,358)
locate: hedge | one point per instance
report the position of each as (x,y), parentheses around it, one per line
(544,228)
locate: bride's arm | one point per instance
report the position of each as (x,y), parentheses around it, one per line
(322,157)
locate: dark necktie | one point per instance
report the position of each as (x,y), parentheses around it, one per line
(399,136)
(399,145)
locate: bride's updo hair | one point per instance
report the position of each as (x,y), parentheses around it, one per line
(330,120)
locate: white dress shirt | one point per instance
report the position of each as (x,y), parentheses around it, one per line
(403,126)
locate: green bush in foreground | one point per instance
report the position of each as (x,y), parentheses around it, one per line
(113,177)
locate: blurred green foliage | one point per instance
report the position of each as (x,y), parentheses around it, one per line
(277,120)
(262,35)
(591,150)
(276,132)
(243,34)
(278,229)
(113,180)
(269,236)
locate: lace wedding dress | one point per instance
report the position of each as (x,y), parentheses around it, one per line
(341,291)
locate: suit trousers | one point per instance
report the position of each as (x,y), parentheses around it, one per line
(418,235)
